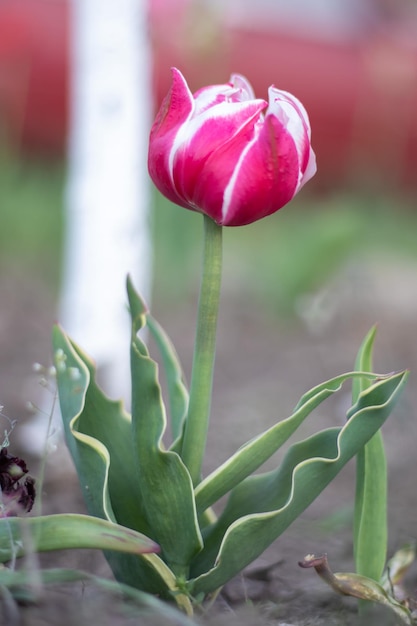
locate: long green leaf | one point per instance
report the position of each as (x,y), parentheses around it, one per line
(177,390)
(99,435)
(263,506)
(363,363)
(370,530)
(91,458)
(254,453)
(19,536)
(164,481)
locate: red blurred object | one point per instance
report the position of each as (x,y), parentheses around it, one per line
(34,72)
(360,91)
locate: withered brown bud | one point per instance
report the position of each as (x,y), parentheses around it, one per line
(17,496)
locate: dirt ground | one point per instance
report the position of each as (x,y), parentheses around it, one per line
(263,366)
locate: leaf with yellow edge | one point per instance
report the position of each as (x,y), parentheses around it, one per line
(18,536)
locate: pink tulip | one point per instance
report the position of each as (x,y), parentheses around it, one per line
(227,154)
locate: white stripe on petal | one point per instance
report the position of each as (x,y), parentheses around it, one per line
(273,93)
(243,85)
(177,143)
(211,96)
(311,169)
(292,121)
(228,192)
(225,110)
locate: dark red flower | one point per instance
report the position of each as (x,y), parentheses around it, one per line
(17,495)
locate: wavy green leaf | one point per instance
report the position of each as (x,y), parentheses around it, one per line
(19,536)
(263,506)
(254,453)
(177,390)
(370,528)
(164,481)
(99,435)
(363,363)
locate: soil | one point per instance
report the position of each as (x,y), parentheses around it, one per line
(263,366)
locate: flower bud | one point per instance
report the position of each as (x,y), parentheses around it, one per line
(227,154)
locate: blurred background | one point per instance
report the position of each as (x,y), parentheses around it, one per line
(352,62)
(302,287)
(340,257)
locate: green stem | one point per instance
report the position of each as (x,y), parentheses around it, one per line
(196,426)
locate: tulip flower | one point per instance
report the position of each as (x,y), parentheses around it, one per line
(234,159)
(227,154)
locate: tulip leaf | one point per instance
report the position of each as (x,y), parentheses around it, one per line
(363,363)
(254,453)
(164,481)
(60,532)
(177,390)
(370,528)
(99,436)
(263,506)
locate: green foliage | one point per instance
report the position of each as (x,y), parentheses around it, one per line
(104,454)
(263,506)
(138,492)
(370,534)
(373,581)
(129,477)
(164,482)
(61,532)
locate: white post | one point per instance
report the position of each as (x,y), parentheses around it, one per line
(107,192)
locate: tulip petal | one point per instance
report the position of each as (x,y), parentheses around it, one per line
(293,115)
(216,153)
(208,97)
(266,177)
(245,91)
(296,114)
(198,167)
(310,170)
(177,107)
(237,90)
